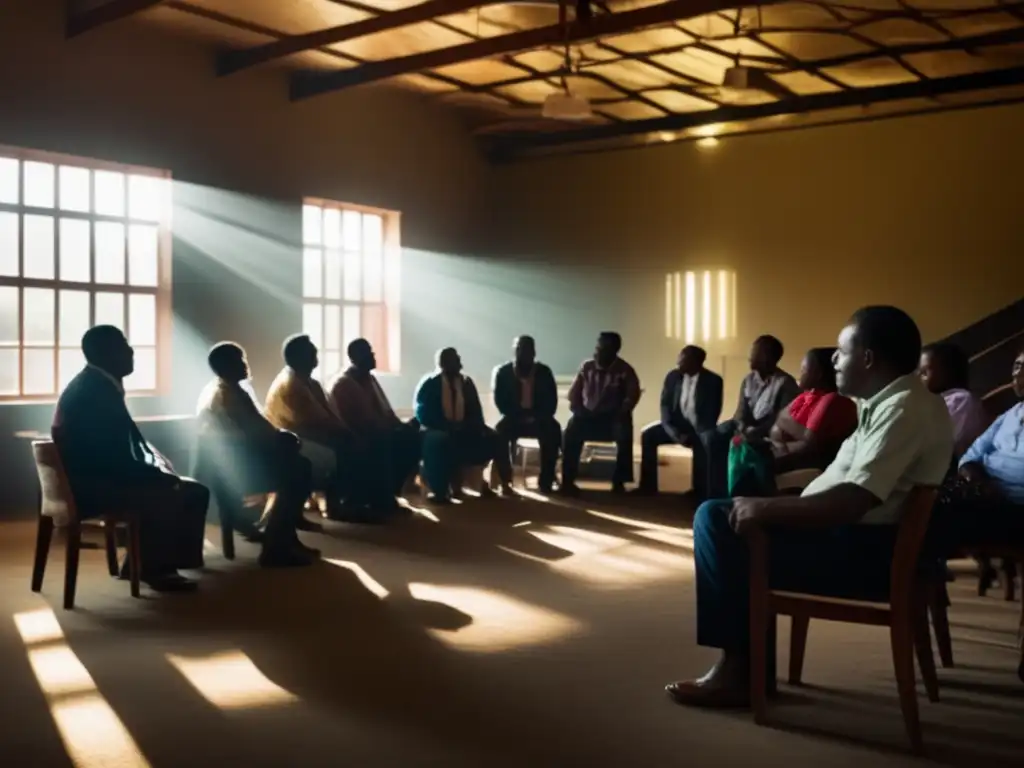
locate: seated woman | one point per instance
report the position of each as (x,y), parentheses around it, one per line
(945,370)
(806,435)
(455,435)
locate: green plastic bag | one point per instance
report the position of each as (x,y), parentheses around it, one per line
(750,470)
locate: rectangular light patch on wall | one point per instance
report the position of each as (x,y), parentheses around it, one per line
(700,306)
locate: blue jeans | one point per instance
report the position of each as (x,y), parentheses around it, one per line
(849,561)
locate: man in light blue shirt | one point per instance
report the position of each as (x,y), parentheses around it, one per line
(996,459)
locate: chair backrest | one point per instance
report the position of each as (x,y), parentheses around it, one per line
(56,497)
(917,513)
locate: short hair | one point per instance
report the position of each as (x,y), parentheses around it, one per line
(526,339)
(442,352)
(99,340)
(822,357)
(699,353)
(612,337)
(355,345)
(891,334)
(772,344)
(953,360)
(222,354)
(293,346)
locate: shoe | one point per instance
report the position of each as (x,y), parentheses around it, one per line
(288,558)
(435,498)
(571,490)
(695,694)
(546,490)
(486,492)
(305,524)
(171,582)
(641,491)
(618,488)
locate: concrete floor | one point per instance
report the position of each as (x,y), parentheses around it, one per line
(497,633)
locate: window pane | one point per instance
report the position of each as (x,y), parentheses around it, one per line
(332,274)
(312,273)
(373,264)
(143,242)
(9,180)
(38,372)
(331,365)
(146,197)
(39,247)
(39,184)
(142,319)
(110,309)
(38,316)
(144,377)
(109,193)
(332,228)
(74,250)
(74,188)
(74,317)
(353,276)
(8,314)
(312,224)
(373,232)
(351,230)
(374,324)
(9,240)
(110,266)
(313,322)
(69,363)
(332,327)
(351,325)
(9,372)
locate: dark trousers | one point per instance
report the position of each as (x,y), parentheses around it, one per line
(238,468)
(715,449)
(654,436)
(375,474)
(172,522)
(548,433)
(849,562)
(586,427)
(445,453)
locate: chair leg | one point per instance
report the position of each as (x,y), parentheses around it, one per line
(1009,569)
(74,543)
(760,621)
(110,539)
(797,647)
(901,636)
(43,537)
(134,555)
(923,646)
(226,512)
(938,598)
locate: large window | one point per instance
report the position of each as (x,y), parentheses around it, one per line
(700,306)
(350,282)
(82,243)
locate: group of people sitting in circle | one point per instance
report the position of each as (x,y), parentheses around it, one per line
(867,413)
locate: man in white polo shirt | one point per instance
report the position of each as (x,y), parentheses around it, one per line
(837,538)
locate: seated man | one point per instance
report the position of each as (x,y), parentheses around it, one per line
(691,402)
(111,467)
(526,396)
(837,538)
(254,456)
(356,396)
(985,505)
(602,398)
(455,435)
(765,391)
(945,370)
(296,402)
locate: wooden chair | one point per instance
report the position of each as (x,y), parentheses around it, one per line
(905,614)
(57,501)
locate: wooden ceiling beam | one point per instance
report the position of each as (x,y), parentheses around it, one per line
(115,10)
(230,62)
(307,84)
(512,146)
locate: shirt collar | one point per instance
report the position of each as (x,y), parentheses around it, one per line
(907,383)
(109,377)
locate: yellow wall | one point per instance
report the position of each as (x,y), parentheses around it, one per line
(919,212)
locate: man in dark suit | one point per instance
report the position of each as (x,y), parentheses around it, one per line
(691,402)
(111,467)
(526,396)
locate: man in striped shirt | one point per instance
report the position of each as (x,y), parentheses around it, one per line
(602,398)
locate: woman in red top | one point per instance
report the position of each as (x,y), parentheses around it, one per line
(807,434)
